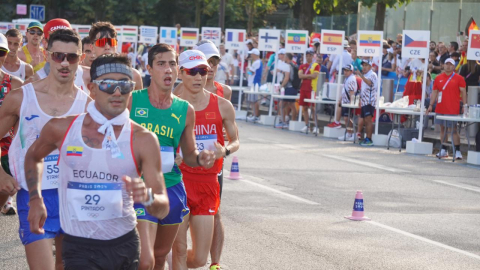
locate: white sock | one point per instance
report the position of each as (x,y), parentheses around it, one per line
(10,200)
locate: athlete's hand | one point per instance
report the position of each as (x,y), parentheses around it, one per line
(206,159)
(37,215)
(136,188)
(219,151)
(178,160)
(8,185)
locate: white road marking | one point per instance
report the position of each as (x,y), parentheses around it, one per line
(287,195)
(426,240)
(368,164)
(458,186)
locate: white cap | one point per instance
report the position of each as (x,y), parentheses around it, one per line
(208,48)
(3,42)
(450,60)
(316,40)
(254,51)
(345,44)
(390,50)
(281,51)
(192,58)
(248,41)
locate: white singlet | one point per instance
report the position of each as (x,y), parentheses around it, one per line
(93,201)
(20,73)
(31,121)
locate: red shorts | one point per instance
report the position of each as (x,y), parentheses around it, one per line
(203,196)
(305,95)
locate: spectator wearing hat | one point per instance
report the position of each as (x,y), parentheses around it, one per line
(32,53)
(308,73)
(368,99)
(346,60)
(448,87)
(254,72)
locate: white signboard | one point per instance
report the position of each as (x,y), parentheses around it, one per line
(415,44)
(268,40)
(235,39)
(296,41)
(119,31)
(130,33)
(148,34)
(82,30)
(188,36)
(370,43)
(168,35)
(332,42)
(473,52)
(214,34)
(5,26)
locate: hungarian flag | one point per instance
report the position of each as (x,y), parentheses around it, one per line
(471,25)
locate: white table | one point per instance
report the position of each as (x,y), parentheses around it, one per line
(455,119)
(350,107)
(396,109)
(319,101)
(398,114)
(282,97)
(262,94)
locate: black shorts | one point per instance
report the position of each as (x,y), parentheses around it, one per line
(80,253)
(290,91)
(345,112)
(367,111)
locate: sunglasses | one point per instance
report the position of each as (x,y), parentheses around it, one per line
(110,86)
(3,52)
(58,57)
(194,71)
(33,32)
(103,41)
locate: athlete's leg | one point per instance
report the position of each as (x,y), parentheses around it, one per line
(179,251)
(165,236)
(39,255)
(3,199)
(369,126)
(147,231)
(218,238)
(201,230)
(58,252)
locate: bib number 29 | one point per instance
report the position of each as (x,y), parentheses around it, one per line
(90,198)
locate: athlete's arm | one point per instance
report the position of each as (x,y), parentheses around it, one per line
(146,145)
(16,82)
(32,79)
(301,76)
(228,115)
(28,71)
(50,138)
(227,92)
(9,114)
(137,78)
(189,147)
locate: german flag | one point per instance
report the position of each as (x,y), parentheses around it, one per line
(189,35)
(471,25)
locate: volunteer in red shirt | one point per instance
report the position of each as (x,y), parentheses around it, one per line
(212,114)
(448,87)
(308,72)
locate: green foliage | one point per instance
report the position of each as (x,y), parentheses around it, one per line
(388,3)
(334,7)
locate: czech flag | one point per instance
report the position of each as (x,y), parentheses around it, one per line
(410,42)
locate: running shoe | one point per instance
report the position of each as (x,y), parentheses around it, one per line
(304,129)
(285,125)
(315,130)
(359,136)
(366,142)
(253,118)
(334,125)
(350,137)
(458,155)
(215,267)
(279,125)
(8,209)
(443,154)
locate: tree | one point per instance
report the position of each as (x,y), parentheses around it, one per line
(381,8)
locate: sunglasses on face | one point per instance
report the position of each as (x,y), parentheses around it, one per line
(33,32)
(3,52)
(58,57)
(194,71)
(101,42)
(110,86)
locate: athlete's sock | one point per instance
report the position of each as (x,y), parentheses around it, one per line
(457,147)
(337,122)
(444,147)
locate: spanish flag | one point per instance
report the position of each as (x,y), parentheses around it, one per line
(463,61)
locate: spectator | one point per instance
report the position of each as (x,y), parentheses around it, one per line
(281,67)
(308,73)
(316,44)
(255,78)
(453,47)
(433,64)
(399,62)
(353,45)
(287,83)
(399,39)
(368,95)
(225,68)
(433,46)
(323,68)
(144,63)
(443,53)
(387,59)
(346,60)
(87,50)
(131,57)
(456,57)
(413,87)
(357,62)
(471,72)
(447,89)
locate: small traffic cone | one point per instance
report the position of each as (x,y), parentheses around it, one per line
(234,171)
(357,213)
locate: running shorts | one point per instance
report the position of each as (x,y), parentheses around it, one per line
(52,224)
(304,95)
(178,207)
(203,195)
(367,110)
(80,253)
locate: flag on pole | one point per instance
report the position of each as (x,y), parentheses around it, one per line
(471,25)
(294,38)
(332,39)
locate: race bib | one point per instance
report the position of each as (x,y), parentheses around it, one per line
(439,97)
(206,142)
(94,201)
(168,158)
(50,172)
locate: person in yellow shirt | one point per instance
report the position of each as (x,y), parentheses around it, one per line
(32,53)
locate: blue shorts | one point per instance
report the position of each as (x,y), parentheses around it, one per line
(177,197)
(367,110)
(52,224)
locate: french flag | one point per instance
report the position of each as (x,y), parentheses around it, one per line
(235,36)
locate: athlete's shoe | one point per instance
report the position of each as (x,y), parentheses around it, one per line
(215,267)
(285,125)
(279,125)
(458,155)
(366,142)
(359,136)
(253,119)
(304,129)
(315,130)
(347,137)
(8,209)
(334,125)
(442,154)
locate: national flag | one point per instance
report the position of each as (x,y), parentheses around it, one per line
(3,27)
(332,39)
(21,27)
(141,112)
(148,32)
(84,31)
(210,115)
(296,38)
(471,25)
(463,61)
(370,40)
(211,34)
(475,43)
(189,34)
(267,37)
(235,36)
(410,42)
(169,33)
(132,32)
(75,151)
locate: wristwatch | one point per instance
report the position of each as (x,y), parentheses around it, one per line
(227,152)
(151,197)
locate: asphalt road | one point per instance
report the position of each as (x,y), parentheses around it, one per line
(287,212)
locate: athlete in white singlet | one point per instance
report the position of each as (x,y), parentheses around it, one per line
(102,155)
(27,109)
(13,65)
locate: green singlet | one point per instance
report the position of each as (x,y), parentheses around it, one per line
(167,124)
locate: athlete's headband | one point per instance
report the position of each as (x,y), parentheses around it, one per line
(113,68)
